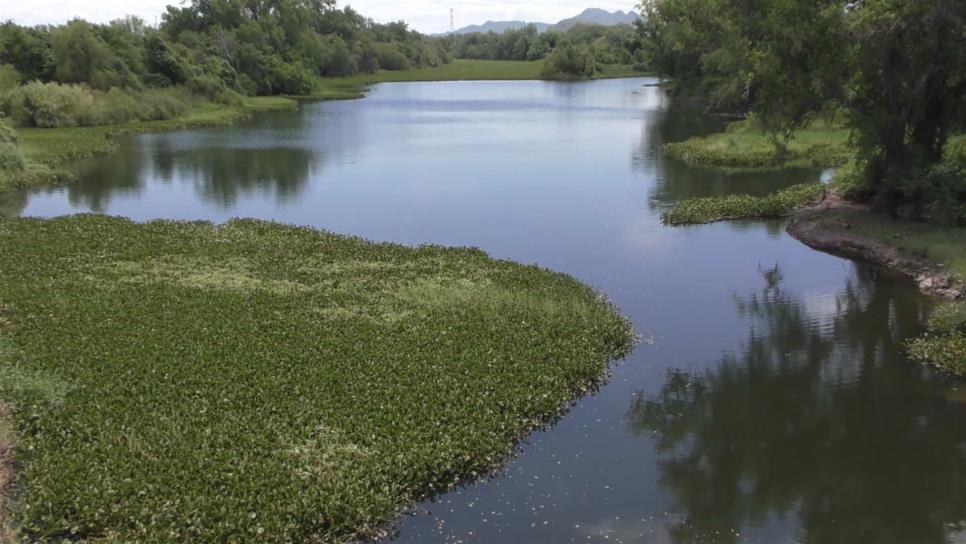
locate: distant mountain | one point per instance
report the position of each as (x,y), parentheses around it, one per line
(597,16)
(590,16)
(500,26)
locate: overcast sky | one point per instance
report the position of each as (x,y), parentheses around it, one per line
(429,16)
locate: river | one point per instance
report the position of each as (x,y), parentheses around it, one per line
(769,400)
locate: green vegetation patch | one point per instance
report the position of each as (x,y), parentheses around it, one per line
(940,244)
(190,382)
(742,146)
(944,344)
(47,151)
(698,210)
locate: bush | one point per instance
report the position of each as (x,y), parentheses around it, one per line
(159,104)
(288,78)
(944,192)
(389,57)
(10,157)
(569,62)
(9,78)
(52,105)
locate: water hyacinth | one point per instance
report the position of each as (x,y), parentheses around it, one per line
(709,209)
(944,344)
(185,382)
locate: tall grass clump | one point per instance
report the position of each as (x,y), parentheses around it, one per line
(253,382)
(719,208)
(56,105)
(569,62)
(944,344)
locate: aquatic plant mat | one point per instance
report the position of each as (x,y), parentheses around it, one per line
(185,382)
(708,209)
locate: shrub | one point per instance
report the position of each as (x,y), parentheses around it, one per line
(389,57)
(10,157)
(158,104)
(944,193)
(52,105)
(569,62)
(9,78)
(955,151)
(290,78)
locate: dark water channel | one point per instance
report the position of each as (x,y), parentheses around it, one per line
(770,401)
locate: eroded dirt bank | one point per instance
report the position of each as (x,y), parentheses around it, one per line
(819,228)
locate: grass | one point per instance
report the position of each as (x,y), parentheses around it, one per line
(699,210)
(49,150)
(743,147)
(458,70)
(179,381)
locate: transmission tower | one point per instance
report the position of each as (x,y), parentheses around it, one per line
(451,26)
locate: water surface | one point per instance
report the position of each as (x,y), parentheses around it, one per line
(770,401)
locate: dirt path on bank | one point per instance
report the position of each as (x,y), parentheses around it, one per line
(834,236)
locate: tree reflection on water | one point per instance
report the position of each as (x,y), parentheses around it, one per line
(817,416)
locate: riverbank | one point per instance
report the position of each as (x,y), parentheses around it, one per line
(48,150)
(934,256)
(260,382)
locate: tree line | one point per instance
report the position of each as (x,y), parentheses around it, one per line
(216,49)
(894,70)
(616,44)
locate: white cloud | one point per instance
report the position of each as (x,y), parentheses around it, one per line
(429,16)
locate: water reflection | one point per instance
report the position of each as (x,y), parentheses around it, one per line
(221,175)
(12,203)
(99,181)
(797,424)
(677,180)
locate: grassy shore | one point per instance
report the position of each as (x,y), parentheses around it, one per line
(939,244)
(48,150)
(255,382)
(742,146)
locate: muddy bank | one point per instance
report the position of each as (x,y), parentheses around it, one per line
(817,228)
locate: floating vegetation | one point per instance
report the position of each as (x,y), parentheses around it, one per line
(183,381)
(694,211)
(944,344)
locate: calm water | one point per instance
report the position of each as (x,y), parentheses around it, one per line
(770,401)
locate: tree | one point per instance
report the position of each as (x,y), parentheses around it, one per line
(906,94)
(779,59)
(78,53)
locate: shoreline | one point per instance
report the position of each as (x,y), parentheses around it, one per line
(54,149)
(930,277)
